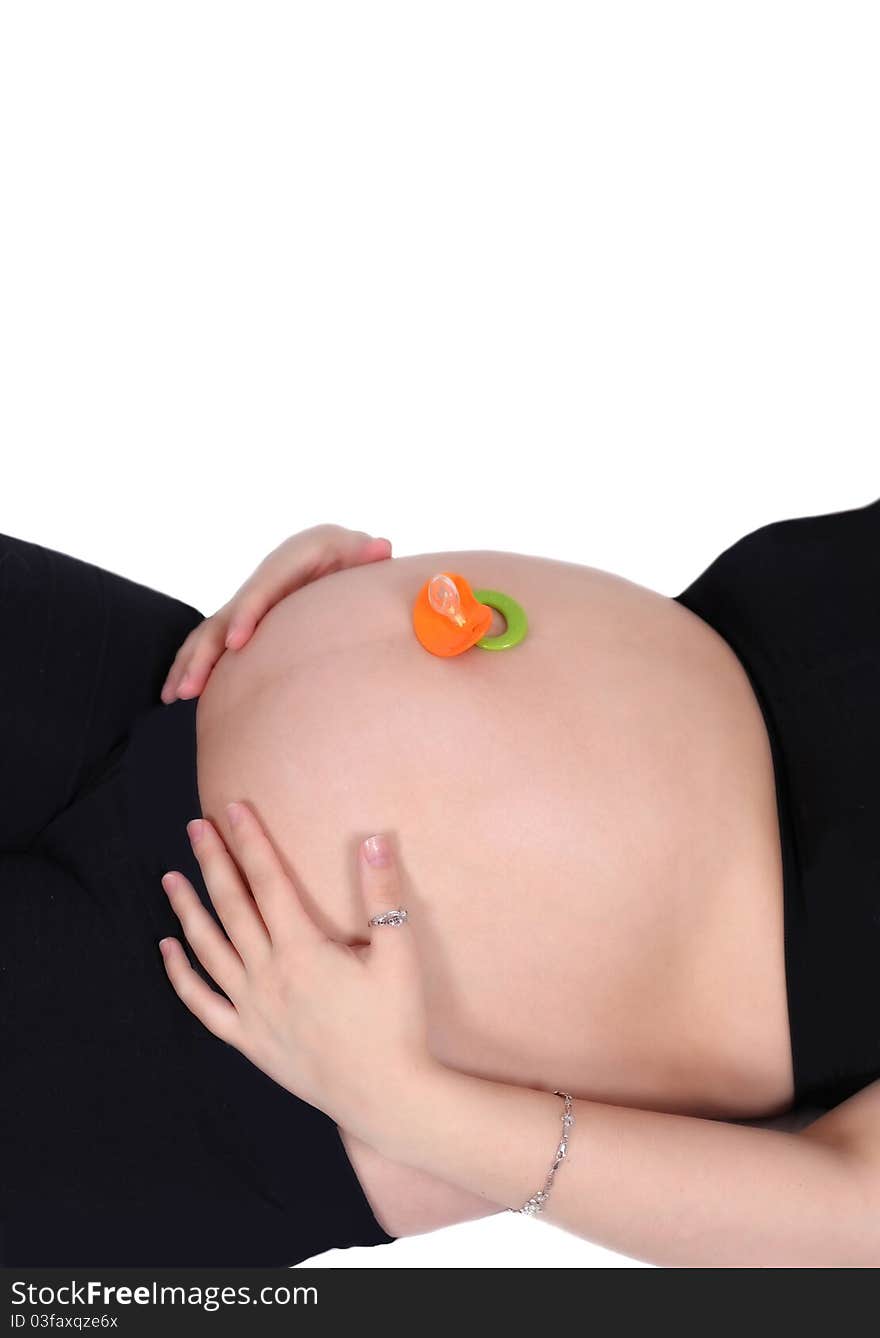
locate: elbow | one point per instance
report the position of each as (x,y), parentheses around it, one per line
(852,1230)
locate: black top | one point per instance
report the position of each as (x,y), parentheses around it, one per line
(129,1134)
(798,601)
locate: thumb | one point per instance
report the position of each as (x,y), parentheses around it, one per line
(380,887)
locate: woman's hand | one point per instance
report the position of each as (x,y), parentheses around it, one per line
(302,558)
(342,1027)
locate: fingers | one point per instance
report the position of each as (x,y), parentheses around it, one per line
(229,895)
(296,562)
(203,934)
(281,907)
(175,673)
(251,603)
(211,1009)
(241,628)
(196,658)
(334,548)
(381,891)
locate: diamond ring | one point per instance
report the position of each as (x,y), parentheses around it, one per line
(397,917)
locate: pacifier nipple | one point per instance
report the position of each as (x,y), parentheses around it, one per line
(444,598)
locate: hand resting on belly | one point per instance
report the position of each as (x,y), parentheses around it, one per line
(585,823)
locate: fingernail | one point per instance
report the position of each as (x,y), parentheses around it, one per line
(377,851)
(196,830)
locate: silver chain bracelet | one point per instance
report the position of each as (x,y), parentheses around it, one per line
(536,1203)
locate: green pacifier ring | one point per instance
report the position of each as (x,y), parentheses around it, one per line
(514,613)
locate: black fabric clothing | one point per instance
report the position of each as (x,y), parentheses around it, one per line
(129,1134)
(798,601)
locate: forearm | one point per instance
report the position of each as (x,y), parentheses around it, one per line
(407,1201)
(672,1190)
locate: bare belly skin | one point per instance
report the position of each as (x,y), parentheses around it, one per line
(586,826)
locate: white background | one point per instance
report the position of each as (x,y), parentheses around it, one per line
(593,281)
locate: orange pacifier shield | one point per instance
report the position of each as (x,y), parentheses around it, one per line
(447,617)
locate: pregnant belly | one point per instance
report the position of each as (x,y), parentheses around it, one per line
(585,824)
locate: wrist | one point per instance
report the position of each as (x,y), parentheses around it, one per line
(407,1127)
(495,1140)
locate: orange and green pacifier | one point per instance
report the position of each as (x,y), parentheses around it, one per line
(449,617)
